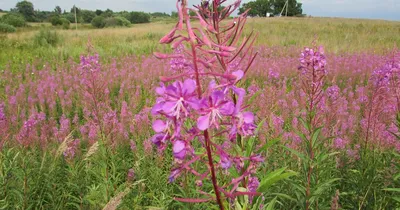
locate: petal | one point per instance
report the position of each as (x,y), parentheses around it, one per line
(160,90)
(157,108)
(178,146)
(217,96)
(159,126)
(168,106)
(203,122)
(228,108)
(248,117)
(189,86)
(239,74)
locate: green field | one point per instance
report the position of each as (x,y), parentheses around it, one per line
(81,111)
(336,34)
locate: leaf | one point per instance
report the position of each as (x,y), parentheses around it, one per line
(305,124)
(193,200)
(323,186)
(315,136)
(392,189)
(269,144)
(284,196)
(271,205)
(254,96)
(274,177)
(298,154)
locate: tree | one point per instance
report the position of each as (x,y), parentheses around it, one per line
(98,22)
(257,8)
(87,16)
(26,9)
(108,13)
(58,10)
(98,12)
(262,7)
(78,11)
(294,7)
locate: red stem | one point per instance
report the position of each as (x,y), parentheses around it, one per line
(206,135)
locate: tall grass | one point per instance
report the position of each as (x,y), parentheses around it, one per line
(336,34)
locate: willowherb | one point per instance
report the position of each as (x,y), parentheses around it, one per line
(383,103)
(201,110)
(312,73)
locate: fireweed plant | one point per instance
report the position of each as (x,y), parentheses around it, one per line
(201,109)
(312,152)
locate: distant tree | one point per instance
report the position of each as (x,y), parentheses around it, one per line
(71,17)
(294,8)
(1,10)
(26,9)
(41,16)
(138,17)
(87,16)
(107,13)
(174,14)
(98,12)
(262,7)
(58,10)
(160,14)
(13,19)
(78,12)
(98,22)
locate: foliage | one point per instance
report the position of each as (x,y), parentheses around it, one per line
(116,22)
(13,19)
(6,28)
(87,16)
(46,37)
(71,17)
(98,22)
(26,9)
(262,7)
(138,17)
(58,10)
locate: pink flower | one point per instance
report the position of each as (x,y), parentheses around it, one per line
(213,109)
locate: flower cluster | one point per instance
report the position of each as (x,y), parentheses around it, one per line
(201,112)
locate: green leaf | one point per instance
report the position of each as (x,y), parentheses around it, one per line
(305,124)
(298,154)
(271,205)
(274,177)
(315,136)
(392,189)
(269,144)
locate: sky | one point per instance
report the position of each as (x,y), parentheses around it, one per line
(370,9)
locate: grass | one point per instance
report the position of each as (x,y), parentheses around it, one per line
(336,34)
(41,174)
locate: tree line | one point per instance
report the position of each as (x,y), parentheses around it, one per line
(59,16)
(274,7)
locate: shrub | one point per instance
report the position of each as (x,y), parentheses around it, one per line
(13,19)
(138,17)
(123,21)
(88,16)
(98,22)
(56,21)
(71,18)
(117,22)
(46,37)
(6,28)
(65,23)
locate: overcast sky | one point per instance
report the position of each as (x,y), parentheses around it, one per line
(373,9)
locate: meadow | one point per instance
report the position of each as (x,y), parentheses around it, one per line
(76,118)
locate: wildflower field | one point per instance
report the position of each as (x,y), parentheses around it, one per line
(206,112)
